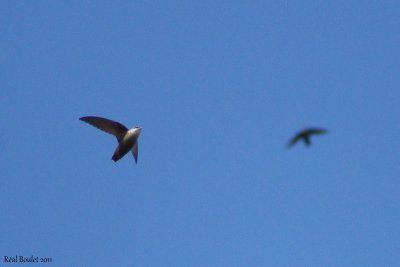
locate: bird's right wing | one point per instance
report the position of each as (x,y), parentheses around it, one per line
(135,151)
(317,131)
(106,125)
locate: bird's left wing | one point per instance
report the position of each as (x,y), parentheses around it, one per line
(294,140)
(112,127)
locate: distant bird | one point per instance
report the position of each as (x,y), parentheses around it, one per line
(127,138)
(305,135)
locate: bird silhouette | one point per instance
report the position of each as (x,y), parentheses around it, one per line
(305,135)
(127,138)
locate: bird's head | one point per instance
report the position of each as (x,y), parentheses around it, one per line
(135,131)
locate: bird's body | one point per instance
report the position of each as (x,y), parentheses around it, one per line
(127,138)
(128,142)
(305,135)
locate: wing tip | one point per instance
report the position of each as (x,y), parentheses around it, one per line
(85,118)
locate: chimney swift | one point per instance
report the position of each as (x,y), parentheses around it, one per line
(305,134)
(127,138)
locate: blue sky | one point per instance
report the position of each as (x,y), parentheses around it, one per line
(219,87)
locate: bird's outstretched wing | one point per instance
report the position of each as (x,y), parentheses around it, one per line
(294,140)
(316,131)
(135,151)
(112,127)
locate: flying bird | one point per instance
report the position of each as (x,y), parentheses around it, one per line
(127,138)
(305,135)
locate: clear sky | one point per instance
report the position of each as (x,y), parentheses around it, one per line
(219,88)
